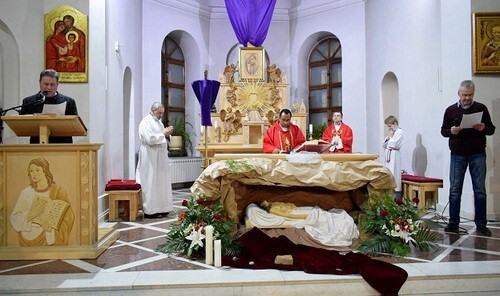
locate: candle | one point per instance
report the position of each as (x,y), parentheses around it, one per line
(310,128)
(209,244)
(218,253)
(215,125)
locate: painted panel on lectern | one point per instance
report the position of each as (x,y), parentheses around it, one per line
(43,199)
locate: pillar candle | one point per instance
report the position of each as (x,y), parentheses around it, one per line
(209,244)
(215,124)
(310,128)
(218,253)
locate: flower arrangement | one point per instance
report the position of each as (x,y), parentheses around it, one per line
(392,225)
(188,234)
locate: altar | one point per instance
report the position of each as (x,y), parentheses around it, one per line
(245,109)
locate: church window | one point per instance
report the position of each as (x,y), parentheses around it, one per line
(325,80)
(172,80)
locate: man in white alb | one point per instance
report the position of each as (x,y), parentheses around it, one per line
(153,169)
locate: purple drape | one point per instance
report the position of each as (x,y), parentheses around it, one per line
(206,93)
(250,19)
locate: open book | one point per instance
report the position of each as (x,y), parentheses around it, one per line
(53,211)
(318,146)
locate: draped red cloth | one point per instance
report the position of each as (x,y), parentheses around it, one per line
(262,250)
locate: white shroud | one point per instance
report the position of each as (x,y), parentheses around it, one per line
(331,228)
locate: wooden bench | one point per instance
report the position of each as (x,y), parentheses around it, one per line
(127,191)
(426,189)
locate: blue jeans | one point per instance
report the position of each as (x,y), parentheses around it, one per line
(477,168)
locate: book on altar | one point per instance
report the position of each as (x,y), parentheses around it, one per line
(53,211)
(318,146)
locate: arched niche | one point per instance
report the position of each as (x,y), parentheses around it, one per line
(9,77)
(389,100)
(128,125)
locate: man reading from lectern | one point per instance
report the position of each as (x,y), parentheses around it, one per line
(48,95)
(283,136)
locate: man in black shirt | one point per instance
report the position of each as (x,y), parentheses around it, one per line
(48,95)
(468,149)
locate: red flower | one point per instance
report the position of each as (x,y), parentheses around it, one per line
(416,200)
(200,201)
(399,201)
(184,203)
(217,216)
(383,213)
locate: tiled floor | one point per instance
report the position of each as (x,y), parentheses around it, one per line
(135,251)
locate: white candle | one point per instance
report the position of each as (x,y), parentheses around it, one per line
(218,253)
(215,125)
(209,244)
(310,128)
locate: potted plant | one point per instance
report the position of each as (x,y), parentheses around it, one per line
(180,138)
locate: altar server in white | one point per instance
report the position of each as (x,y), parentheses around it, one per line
(153,169)
(392,145)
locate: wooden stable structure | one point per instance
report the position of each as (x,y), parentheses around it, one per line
(73,232)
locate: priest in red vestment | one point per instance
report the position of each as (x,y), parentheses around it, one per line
(339,134)
(283,136)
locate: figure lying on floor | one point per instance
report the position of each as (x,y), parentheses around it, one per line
(332,228)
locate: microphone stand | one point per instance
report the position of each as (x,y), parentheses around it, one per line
(4,111)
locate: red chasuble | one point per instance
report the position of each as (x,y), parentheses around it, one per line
(276,138)
(345,134)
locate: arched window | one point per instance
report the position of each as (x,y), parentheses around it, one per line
(325,81)
(172,81)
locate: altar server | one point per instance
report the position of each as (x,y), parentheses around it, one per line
(392,145)
(153,169)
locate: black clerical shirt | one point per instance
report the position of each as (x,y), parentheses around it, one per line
(30,107)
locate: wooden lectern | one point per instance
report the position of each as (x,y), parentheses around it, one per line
(45,126)
(48,193)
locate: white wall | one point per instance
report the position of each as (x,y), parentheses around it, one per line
(488,93)
(126,29)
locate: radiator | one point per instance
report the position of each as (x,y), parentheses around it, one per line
(185,169)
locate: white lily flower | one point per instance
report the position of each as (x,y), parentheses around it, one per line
(196,238)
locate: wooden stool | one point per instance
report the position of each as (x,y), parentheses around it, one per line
(132,196)
(414,186)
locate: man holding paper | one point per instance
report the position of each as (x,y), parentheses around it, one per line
(467,142)
(153,168)
(48,100)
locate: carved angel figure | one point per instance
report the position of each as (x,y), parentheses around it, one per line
(231,122)
(274,73)
(229,73)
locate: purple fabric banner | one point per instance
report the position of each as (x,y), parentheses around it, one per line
(206,93)
(250,19)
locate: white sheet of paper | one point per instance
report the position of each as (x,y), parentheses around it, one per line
(59,109)
(468,120)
